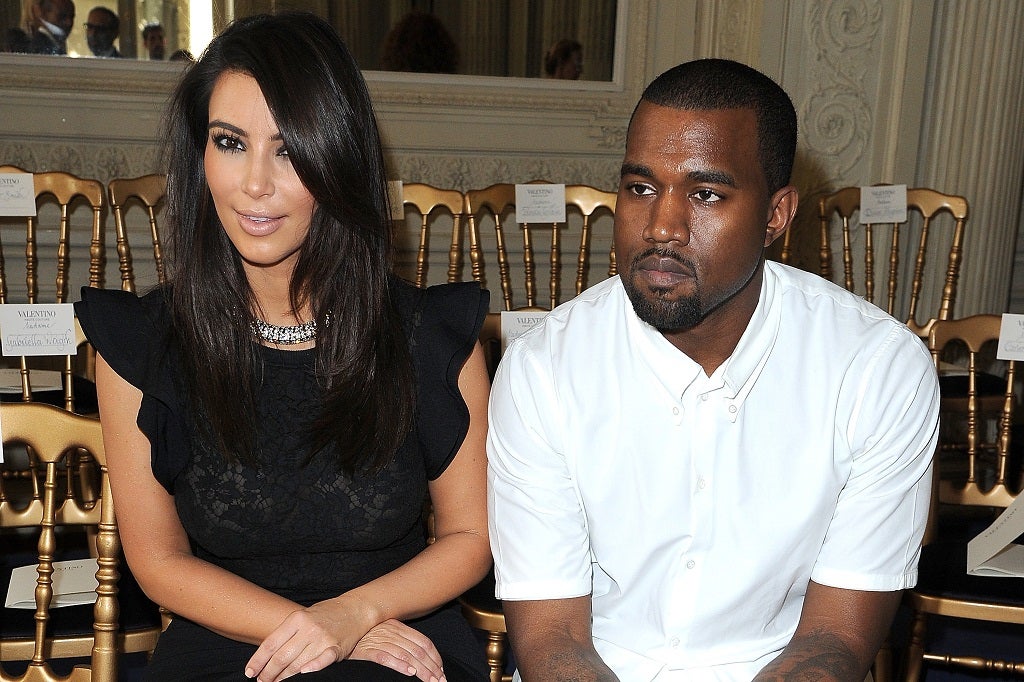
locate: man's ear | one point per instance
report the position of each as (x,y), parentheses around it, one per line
(784,203)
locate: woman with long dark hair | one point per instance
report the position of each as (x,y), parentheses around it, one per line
(276,417)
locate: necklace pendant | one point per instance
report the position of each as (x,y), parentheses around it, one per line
(284,336)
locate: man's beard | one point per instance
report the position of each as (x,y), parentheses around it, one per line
(651,306)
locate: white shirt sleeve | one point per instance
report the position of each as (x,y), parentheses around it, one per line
(538,529)
(873,541)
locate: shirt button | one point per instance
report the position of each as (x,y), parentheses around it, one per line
(732,408)
(691,563)
(702,484)
(675,410)
(674,642)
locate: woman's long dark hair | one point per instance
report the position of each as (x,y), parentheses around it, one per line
(320,103)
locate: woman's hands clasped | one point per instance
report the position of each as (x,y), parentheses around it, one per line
(315,637)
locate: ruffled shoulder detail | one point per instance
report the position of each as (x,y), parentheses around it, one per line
(133,335)
(444,323)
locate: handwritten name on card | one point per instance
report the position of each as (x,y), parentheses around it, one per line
(1011,337)
(883,204)
(37,329)
(514,323)
(540,203)
(17,194)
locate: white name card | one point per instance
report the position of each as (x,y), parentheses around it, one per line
(17,194)
(395,198)
(1011,337)
(37,329)
(883,204)
(540,203)
(993,552)
(514,323)
(74,583)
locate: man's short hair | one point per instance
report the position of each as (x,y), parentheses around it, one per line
(113,23)
(705,84)
(151,28)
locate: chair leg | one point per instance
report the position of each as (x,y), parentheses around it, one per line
(496,654)
(915,648)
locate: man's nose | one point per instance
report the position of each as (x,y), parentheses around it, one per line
(669,220)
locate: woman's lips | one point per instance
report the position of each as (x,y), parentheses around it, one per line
(257,225)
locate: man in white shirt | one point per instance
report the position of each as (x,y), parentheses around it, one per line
(709,467)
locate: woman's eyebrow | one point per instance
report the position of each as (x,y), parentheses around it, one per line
(217,123)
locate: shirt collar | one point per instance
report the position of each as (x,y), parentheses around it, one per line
(741,370)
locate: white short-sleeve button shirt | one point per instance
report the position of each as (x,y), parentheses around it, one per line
(695,509)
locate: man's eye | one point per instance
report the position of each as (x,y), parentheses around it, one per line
(707,196)
(640,190)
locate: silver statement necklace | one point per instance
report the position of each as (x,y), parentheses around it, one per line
(285,336)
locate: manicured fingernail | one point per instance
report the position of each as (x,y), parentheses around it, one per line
(250,673)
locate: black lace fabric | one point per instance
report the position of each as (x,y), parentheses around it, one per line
(302,529)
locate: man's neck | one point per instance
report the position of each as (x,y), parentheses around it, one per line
(712,341)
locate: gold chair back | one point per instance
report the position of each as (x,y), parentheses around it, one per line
(149,191)
(51,506)
(974,480)
(428,202)
(67,190)
(984,452)
(495,204)
(883,282)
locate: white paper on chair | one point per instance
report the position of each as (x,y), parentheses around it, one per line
(540,203)
(37,329)
(1011,337)
(515,322)
(74,583)
(17,194)
(396,196)
(993,552)
(883,204)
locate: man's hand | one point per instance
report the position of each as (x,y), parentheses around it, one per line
(838,636)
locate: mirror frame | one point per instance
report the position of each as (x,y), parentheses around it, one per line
(68,101)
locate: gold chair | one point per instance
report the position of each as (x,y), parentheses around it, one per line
(495,203)
(425,200)
(899,300)
(482,610)
(149,190)
(52,512)
(67,190)
(962,506)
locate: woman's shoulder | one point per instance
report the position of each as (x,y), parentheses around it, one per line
(113,307)
(439,297)
(121,324)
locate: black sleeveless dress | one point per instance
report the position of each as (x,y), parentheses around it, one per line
(295,524)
